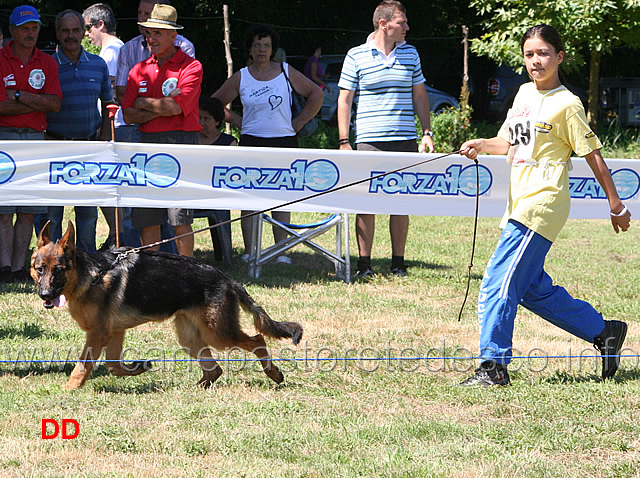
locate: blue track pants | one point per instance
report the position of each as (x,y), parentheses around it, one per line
(515,276)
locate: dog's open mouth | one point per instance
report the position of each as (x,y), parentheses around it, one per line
(59,301)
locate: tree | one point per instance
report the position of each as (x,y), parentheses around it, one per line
(595,25)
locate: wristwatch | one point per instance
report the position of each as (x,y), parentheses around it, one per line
(16,96)
(428,133)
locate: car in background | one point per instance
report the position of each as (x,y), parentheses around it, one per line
(332,67)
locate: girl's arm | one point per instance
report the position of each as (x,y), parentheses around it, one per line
(472,148)
(602,174)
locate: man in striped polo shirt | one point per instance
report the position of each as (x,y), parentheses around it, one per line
(384,76)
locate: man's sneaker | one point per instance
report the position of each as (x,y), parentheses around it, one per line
(488,375)
(399,271)
(364,273)
(609,343)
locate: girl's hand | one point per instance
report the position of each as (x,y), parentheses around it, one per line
(472,148)
(622,222)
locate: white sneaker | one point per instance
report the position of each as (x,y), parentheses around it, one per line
(283,260)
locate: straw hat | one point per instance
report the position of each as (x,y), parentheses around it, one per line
(162,17)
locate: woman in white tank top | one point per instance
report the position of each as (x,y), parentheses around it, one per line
(266,101)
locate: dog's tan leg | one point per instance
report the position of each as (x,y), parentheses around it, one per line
(190,339)
(257,346)
(96,341)
(115,365)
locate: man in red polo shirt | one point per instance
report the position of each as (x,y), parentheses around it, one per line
(162,97)
(29,90)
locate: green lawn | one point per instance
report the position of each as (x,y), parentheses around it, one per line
(334,418)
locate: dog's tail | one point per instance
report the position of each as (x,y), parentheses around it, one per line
(265,324)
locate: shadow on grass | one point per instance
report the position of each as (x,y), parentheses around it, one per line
(124,387)
(623,375)
(18,287)
(307,267)
(35,369)
(24,331)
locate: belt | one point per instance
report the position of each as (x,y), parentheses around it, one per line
(67,138)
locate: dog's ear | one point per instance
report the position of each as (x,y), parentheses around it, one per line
(68,241)
(44,238)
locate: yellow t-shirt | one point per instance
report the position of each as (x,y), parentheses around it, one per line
(543,128)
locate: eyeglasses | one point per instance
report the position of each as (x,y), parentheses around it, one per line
(260,46)
(87,26)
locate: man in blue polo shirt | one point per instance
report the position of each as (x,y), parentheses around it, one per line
(84,79)
(384,76)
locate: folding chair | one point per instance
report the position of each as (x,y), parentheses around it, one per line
(301,234)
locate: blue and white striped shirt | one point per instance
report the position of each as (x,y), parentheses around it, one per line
(82,85)
(383,93)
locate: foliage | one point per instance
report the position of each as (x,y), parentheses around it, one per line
(598,25)
(451,128)
(620,142)
(90,47)
(324,137)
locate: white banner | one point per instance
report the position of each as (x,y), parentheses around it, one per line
(212,177)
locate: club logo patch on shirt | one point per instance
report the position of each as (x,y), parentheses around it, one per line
(9,80)
(542,127)
(590,135)
(37,79)
(169,85)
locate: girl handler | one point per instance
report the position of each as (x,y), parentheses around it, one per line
(544,125)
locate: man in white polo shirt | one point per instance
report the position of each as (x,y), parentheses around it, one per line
(384,76)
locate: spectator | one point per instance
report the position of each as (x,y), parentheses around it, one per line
(84,79)
(211,118)
(134,51)
(313,69)
(166,108)
(29,91)
(262,123)
(385,76)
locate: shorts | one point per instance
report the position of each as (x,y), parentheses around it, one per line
(280,142)
(148,217)
(402,146)
(23,209)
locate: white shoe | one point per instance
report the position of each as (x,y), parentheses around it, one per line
(244,258)
(283,260)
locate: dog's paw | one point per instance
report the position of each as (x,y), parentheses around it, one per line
(274,374)
(140,366)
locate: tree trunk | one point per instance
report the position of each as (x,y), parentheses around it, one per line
(464,93)
(593,106)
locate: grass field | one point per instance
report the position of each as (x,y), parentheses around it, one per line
(388,418)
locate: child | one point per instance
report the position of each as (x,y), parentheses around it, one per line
(544,125)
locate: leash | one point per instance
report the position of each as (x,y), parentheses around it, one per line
(121,255)
(295,201)
(473,242)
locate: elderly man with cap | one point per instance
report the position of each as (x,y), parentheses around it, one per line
(162,97)
(30,89)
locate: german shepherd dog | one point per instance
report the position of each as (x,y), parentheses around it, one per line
(112,291)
